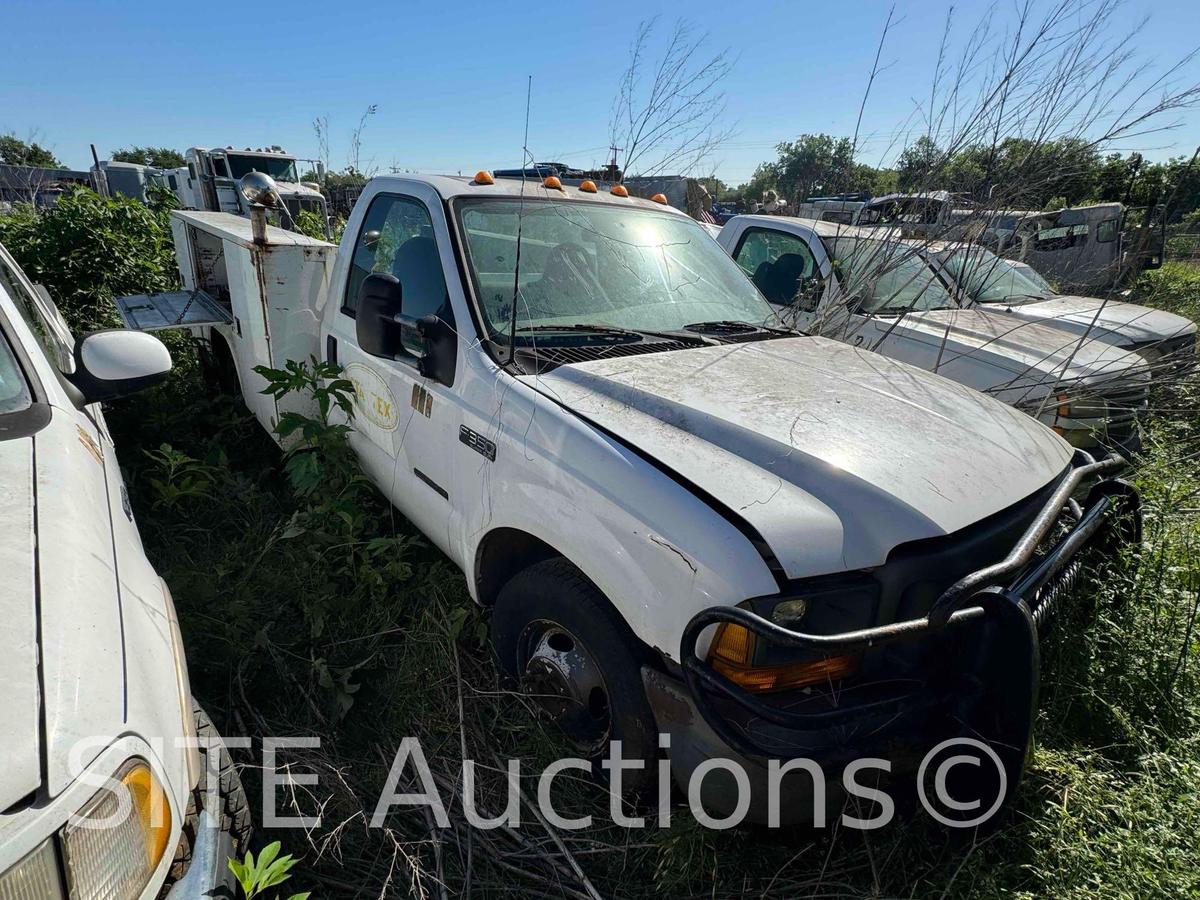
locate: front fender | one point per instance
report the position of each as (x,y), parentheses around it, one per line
(658,551)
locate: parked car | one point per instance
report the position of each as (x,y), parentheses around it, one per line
(684,518)
(95,702)
(1167,341)
(877,291)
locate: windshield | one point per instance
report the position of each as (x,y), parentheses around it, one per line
(887,277)
(591,263)
(279,168)
(989,279)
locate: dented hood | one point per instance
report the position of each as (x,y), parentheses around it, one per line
(1111,321)
(833,454)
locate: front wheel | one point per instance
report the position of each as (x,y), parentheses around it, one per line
(558,638)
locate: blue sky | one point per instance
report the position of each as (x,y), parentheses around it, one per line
(449,78)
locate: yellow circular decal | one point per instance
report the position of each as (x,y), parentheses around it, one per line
(373,399)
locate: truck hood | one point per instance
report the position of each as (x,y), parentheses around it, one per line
(1032,352)
(20,750)
(832,454)
(1122,324)
(295,189)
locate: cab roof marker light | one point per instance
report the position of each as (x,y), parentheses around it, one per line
(552,182)
(660,198)
(483,177)
(619,190)
(588,187)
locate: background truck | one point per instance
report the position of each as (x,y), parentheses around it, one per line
(96,702)
(882,293)
(684,518)
(212,180)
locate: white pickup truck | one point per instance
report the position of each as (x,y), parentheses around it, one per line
(95,702)
(759,542)
(878,291)
(1165,340)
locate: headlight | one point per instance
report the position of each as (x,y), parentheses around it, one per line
(111,856)
(33,878)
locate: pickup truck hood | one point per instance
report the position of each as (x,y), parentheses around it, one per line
(1033,353)
(1122,324)
(832,454)
(20,751)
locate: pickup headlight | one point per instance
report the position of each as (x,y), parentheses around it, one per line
(110,856)
(34,878)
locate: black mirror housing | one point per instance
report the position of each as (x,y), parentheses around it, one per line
(377,327)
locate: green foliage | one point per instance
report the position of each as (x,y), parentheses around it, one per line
(256,876)
(309,223)
(89,249)
(16,152)
(162,157)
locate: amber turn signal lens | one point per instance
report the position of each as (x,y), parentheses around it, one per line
(660,198)
(619,190)
(484,177)
(588,187)
(553,183)
(150,803)
(732,649)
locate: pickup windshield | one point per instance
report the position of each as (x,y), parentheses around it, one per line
(887,277)
(989,279)
(599,264)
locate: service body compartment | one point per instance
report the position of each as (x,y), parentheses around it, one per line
(275,294)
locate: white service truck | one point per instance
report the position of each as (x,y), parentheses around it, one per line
(880,292)
(684,518)
(101,795)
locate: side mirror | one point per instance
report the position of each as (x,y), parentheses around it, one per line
(116,363)
(377,325)
(808,297)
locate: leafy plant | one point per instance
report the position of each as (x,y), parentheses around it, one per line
(256,876)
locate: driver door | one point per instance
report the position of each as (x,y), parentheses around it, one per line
(403,421)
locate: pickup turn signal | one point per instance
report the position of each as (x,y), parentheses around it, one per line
(733,648)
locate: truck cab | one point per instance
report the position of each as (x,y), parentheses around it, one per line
(685,517)
(214,178)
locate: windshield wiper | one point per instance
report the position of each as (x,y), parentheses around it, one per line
(611,331)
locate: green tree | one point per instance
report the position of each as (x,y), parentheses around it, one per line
(16,152)
(161,157)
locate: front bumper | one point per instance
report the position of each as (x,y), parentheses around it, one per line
(209,874)
(985,628)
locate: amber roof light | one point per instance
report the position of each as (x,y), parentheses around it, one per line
(660,198)
(552,182)
(619,190)
(484,177)
(588,187)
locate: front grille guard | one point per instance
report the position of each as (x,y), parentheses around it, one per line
(1016,580)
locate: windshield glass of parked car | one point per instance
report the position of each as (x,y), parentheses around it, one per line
(600,264)
(989,279)
(887,277)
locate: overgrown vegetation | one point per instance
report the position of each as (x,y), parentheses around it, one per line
(310,607)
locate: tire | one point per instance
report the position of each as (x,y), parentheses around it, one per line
(552,608)
(235,809)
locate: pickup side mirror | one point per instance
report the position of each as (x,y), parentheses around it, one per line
(116,363)
(380,327)
(377,321)
(809,293)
